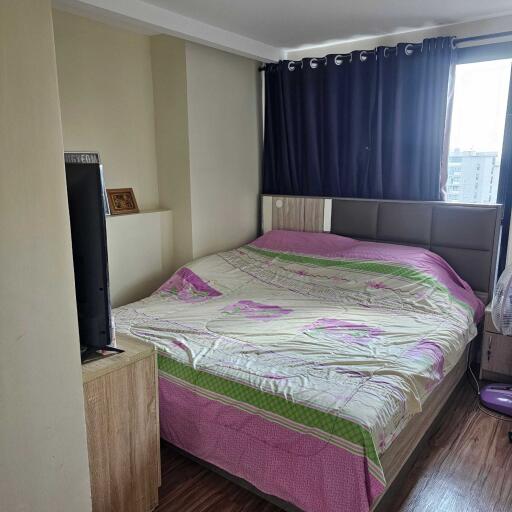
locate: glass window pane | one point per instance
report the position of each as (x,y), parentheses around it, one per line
(476,137)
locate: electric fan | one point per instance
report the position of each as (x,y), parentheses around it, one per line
(498,397)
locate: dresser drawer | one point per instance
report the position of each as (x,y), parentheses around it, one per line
(489,324)
(496,356)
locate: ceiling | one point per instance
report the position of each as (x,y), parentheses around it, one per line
(293,23)
(266,29)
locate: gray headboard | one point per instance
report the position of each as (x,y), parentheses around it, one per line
(465,235)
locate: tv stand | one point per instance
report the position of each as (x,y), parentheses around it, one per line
(88,354)
(123,435)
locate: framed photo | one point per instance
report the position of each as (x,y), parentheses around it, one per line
(122,201)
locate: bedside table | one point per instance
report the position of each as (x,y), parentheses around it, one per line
(123,434)
(496,362)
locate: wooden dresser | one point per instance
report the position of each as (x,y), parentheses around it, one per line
(123,439)
(496,352)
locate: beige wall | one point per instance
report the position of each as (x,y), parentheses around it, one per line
(180,123)
(171,121)
(489,26)
(207,108)
(106,95)
(223,94)
(43,457)
(139,254)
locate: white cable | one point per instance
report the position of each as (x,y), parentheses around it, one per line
(471,371)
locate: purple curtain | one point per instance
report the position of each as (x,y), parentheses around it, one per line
(365,124)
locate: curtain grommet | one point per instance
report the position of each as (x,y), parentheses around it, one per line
(409,49)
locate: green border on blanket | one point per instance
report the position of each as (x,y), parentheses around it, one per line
(369,266)
(298,413)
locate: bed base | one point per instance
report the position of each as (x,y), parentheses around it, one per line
(399,458)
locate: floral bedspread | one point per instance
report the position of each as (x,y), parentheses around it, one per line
(338,340)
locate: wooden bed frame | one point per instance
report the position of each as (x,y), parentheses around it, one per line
(403,452)
(466,235)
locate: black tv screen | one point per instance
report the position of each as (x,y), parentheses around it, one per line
(89,238)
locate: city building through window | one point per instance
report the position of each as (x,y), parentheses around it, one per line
(476,136)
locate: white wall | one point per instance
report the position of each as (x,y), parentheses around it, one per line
(43,455)
(106,95)
(177,121)
(139,254)
(207,107)
(489,26)
(223,95)
(171,120)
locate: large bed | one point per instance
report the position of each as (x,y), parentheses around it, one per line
(305,362)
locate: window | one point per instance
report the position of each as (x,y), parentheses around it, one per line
(476,137)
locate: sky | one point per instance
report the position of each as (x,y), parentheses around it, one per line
(479,105)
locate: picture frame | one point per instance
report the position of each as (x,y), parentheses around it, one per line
(122,201)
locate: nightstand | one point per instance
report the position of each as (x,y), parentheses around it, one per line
(496,362)
(123,438)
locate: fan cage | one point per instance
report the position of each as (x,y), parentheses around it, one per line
(501,307)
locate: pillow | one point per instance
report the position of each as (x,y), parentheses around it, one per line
(317,244)
(328,245)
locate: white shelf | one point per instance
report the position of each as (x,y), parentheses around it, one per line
(141,212)
(139,253)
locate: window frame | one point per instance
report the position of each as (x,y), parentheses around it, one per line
(482,53)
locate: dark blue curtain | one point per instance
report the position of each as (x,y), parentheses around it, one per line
(366,124)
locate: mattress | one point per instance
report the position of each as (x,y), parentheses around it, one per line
(294,361)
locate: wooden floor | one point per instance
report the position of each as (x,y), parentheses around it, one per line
(467,467)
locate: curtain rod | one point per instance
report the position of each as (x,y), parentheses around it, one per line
(459,40)
(479,38)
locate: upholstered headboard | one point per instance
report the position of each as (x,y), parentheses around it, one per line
(465,235)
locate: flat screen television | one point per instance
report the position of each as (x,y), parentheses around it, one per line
(87,208)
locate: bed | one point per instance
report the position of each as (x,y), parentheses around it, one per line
(311,362)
